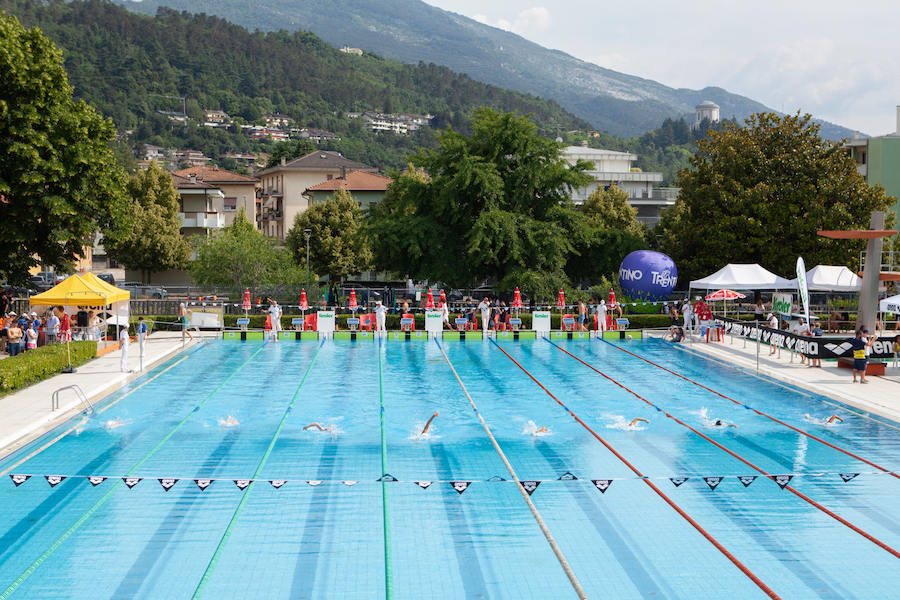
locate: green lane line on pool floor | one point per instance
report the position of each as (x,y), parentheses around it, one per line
(388,554)
(207,574)
(34,566)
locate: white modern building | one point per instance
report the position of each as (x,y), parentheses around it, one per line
(615,168)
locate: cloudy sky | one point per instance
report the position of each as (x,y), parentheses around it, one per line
(837,61)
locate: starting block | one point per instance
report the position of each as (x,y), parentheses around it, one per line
(405,324)
(353,323)
(243,322)
(461,324)
(515,324)
(297,324)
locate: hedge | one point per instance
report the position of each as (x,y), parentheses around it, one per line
(17,372)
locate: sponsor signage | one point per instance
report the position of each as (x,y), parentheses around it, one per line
(434,322)
(325,321)
(814,347)
(540,320)
(781,303)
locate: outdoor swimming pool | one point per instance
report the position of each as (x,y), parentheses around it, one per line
(316,522)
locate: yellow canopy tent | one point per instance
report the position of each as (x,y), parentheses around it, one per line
(86,290)
(74,291)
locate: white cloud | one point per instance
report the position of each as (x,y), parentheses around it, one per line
(533,20)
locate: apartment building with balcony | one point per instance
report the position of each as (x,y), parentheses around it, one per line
(282,191)
(238,191)
(615,168)
(878,160)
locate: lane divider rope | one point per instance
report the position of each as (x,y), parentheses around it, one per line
(534,511)
(759,412)
(385,504)
(734,560)
(794,491)
(40,560)
(220,548)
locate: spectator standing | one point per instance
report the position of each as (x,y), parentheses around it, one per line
(52,327)
(4,303)
(445,315)
(773,324)
(13,337)
(31,337)
(816,331)
(686,314)
(582,315)
(183,314)
(65,326)
(858,345)
(275,314)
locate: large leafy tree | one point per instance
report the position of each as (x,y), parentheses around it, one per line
(759,194)
(154,243)
(242,256)
(609,209)
(59,182)
(337,243)
(497,204)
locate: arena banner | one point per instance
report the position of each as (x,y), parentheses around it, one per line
(827,348)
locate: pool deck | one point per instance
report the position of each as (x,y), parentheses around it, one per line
(26,415)
(881,396)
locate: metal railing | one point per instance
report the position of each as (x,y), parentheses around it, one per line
(54,399)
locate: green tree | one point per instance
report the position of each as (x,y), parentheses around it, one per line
(497,204)
(289,151)
(242,256)
(337,245)
(58,179)
(609,209)
(759,194)
(154,243)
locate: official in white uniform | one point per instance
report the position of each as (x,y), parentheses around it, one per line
(380,313)
(123,338)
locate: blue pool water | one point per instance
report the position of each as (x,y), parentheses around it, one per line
(328,540)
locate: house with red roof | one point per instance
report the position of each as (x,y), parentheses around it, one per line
(366,188)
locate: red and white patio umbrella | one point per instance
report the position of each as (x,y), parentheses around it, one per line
(443,299)
(611,300)
(517,299)
(429,304)
(724,295)
(304,305)
(353,305)
(561,300)
(245,305)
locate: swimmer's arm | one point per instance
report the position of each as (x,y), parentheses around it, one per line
(314,425)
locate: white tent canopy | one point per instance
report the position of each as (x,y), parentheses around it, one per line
(826,278)
(743,277)
(891,305)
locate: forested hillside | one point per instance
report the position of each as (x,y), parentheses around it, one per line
(117,60)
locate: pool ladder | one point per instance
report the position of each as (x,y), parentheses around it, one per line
(54,400)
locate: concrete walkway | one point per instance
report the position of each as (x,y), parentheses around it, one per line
(881,396)
(26,415)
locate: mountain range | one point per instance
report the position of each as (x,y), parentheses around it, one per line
(412,31)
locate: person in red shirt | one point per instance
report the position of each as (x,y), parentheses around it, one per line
(704,315)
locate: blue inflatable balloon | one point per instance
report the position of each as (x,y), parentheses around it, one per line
(647,275)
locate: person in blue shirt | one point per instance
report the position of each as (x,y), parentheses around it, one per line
(142,333)
(816,331)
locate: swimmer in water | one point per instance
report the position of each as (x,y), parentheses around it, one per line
(428,424)
(311,425)
(830,420)
(635,421)
(114,423)
(721,423)
(542,430)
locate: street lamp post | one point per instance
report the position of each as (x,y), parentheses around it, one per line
(307,233)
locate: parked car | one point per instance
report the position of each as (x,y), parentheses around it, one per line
(140,290)
(108,278)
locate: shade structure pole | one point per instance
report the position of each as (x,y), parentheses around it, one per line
(868,296)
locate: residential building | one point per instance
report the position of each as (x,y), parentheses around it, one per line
(380,123)
(174,116)
(214,116)
(366,188)
(283,187)
(157,153)
(276,119)
(615,168)
(318,135)
(266,133)
(349,50)
(238,191)
(194,158)
(878,160)
(705,110)
(242,159)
